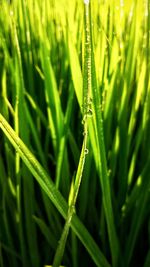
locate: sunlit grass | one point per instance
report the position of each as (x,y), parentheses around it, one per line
(66,75)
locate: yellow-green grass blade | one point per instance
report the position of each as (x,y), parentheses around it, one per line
(64,137)
(102,164)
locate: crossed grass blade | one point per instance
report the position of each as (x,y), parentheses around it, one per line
(49,188)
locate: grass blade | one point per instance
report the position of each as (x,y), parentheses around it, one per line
(47,185)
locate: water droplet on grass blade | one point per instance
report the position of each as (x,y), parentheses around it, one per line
(83,120)
(86,2)
(86,151)
(85,133)
(89,112)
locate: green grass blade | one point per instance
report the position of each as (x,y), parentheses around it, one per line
(47,185)
(102,164)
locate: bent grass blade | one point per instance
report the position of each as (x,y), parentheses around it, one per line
(55,196)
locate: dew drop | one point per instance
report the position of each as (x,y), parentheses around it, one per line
(86,2)
(84,133)
(86,151)
(101,107)
(90,100)
(89,112)
(83,121)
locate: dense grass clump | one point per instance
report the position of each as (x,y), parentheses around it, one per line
(74,115)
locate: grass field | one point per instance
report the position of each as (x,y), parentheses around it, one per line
(74,133)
